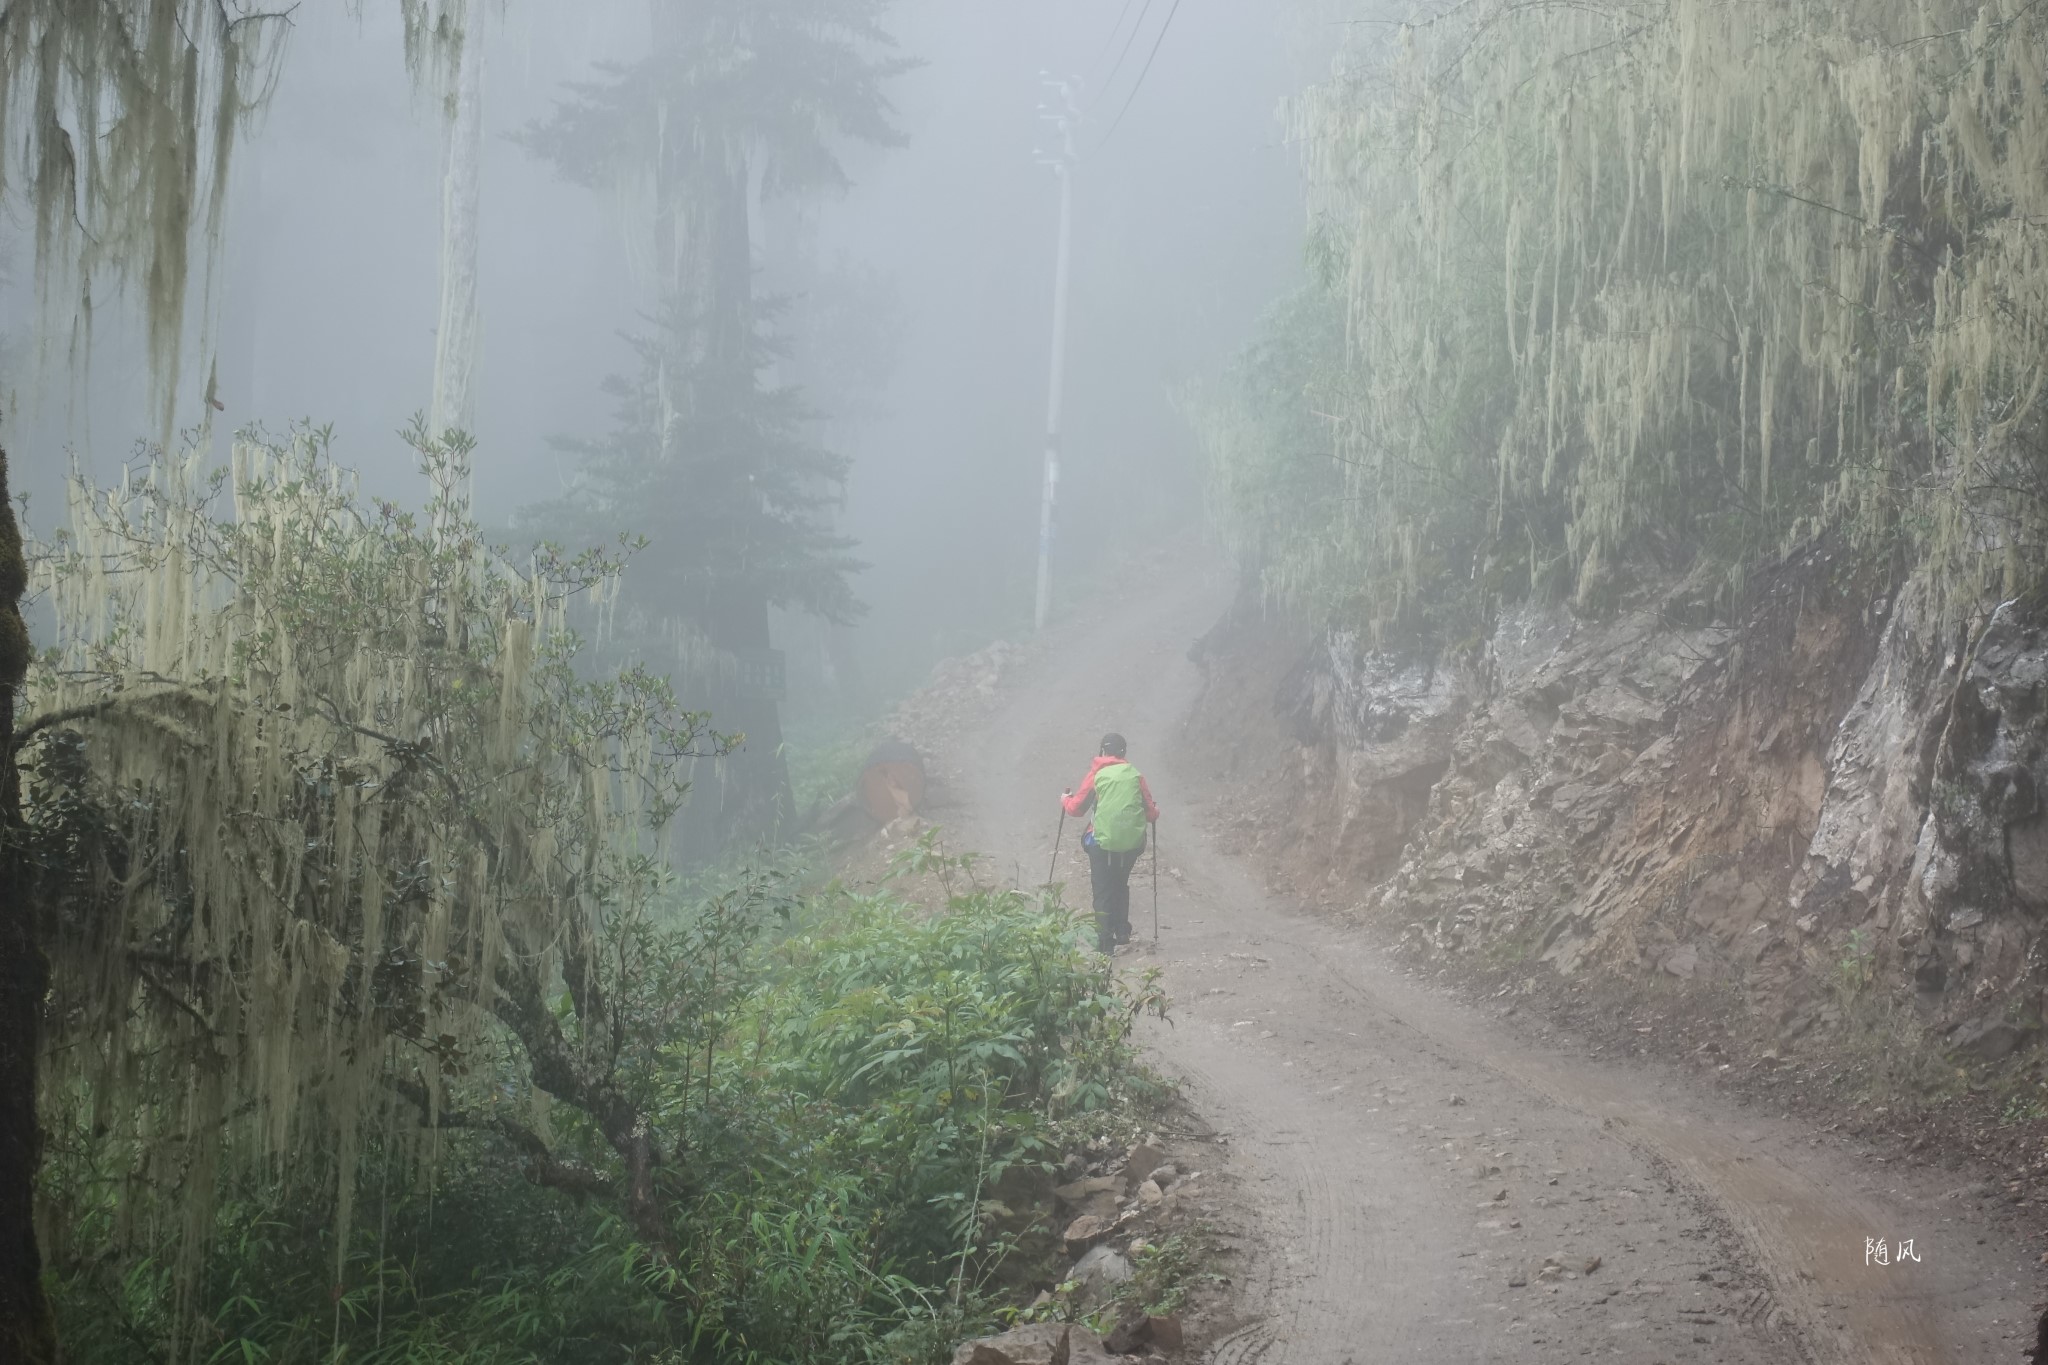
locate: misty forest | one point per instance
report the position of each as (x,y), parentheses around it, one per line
(880,682)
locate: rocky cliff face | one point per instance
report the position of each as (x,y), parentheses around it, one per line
(1826,800)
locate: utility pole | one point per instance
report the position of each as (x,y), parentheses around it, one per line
(1063,118)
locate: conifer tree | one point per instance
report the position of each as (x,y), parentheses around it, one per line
(738,101)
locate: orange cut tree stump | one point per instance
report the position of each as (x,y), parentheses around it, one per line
(891,786)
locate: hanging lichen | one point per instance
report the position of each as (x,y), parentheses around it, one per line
(1680,282)
(436,37)
(334,808)
(444,52)
(117,124)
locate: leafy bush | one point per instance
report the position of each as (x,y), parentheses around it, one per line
(843,1080)
(822,772)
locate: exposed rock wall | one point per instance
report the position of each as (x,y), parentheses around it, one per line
(1823,797)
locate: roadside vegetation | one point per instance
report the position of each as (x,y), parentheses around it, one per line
(381,1030)
(1595,290)
(844,1105)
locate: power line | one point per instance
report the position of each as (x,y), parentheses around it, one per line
(1110,42)
(1164,29)
(1136,29)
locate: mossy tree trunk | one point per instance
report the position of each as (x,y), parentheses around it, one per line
(27,1334)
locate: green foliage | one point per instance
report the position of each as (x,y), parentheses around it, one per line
(723,465)
(325,807)
(2026,1106)
(1892,1058)
(784,83)
(929,857)
(1163,1274)
(733,491)
(823,771)
(1274,466)
(719,467)
(1660,287)
(380,1027)
(844,1081)
(1854,971)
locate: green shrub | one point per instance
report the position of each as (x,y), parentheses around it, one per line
(839,1101)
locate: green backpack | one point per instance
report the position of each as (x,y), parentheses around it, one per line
(1119,808)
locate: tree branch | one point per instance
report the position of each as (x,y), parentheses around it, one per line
(90,710)
(543,1167)
(521,1005)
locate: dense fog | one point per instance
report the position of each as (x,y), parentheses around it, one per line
(919,301)
(560,803)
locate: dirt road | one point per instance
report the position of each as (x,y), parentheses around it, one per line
(1401,1165)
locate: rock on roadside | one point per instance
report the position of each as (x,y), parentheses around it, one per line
(1135,1331)
(1040,1343)
(1101,1268)
(1085,1231)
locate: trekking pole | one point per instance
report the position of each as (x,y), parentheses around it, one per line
(1054,866)
(1155,884)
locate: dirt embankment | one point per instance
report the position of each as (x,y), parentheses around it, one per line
(1804,848)
(1400,1175)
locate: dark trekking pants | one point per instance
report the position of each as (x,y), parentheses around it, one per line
(1109,877)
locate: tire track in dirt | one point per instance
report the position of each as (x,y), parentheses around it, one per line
(1355,1137)
(1807,1229)
(1323,1247)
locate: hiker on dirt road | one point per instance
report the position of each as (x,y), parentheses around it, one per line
(1123,809)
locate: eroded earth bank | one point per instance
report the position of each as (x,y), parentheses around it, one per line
(1443,940)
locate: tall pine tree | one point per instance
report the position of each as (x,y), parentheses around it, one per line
(738,101)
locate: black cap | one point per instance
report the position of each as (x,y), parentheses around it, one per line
(1113,744)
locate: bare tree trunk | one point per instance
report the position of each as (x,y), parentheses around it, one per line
(458,336)
(703,247)
(455,343)
(758,802)
(27,1333)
